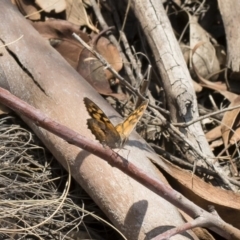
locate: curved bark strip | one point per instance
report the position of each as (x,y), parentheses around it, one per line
(36,73)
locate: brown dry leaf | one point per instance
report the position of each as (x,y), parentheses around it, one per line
(230,124)
(236,136)
(52,5)
(217,86)
(59,32)
(76,13)
(27,7)
(204,59)
(213,134)
(110,53)
(226,203)
(93,70)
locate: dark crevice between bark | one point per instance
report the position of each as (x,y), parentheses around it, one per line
(15,57)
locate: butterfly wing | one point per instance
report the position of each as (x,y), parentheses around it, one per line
(125,128)
(101,126)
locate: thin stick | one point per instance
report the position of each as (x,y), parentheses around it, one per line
(205,116)
(104,25)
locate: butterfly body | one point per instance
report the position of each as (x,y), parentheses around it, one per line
(105,131)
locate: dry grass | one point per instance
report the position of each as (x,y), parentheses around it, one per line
(38,199)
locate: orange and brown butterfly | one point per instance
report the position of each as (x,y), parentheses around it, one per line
(105,131)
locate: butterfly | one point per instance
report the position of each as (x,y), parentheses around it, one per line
(105,131)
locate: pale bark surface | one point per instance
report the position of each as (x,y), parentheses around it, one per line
(36,73)
(230,11)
